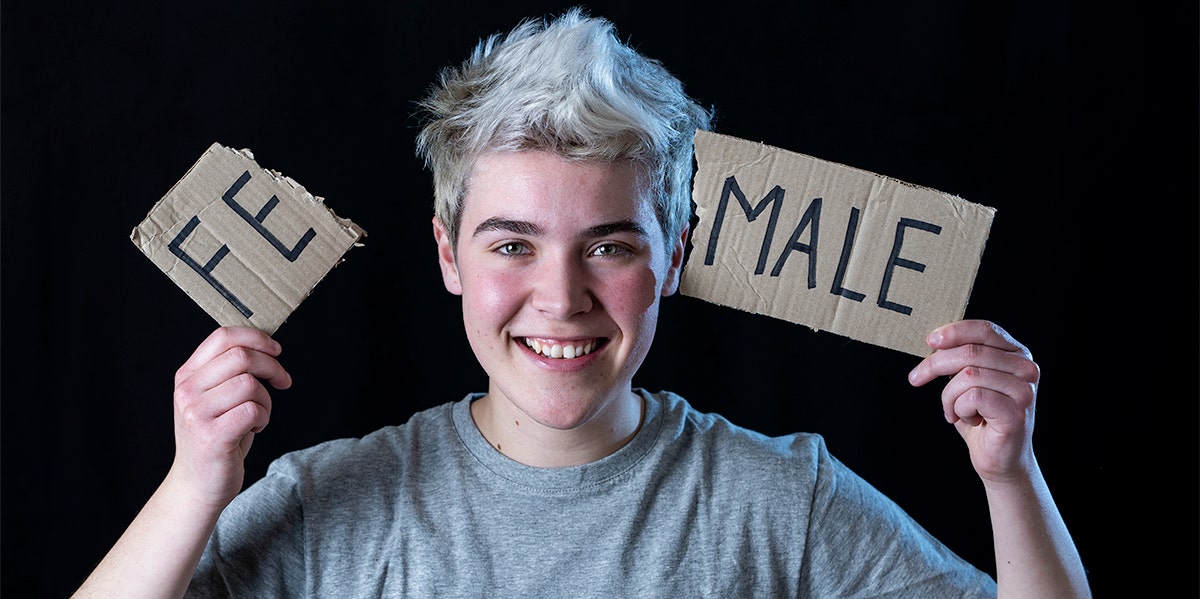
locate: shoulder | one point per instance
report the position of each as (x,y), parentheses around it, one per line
(378,455)
(684,422)
(793,461)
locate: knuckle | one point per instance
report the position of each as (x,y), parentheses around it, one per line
(976,394)
(244,384)
(190,417)
(1028,371)
(251,410)
(238,354)
(937,362)
(184,394)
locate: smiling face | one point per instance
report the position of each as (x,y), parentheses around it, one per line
(561,266)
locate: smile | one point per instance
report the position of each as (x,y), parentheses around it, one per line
(554,349)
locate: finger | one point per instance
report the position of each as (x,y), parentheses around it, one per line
(980,332)
(947,362)
(997,431)
(1007,396)
(236,428)
(965,408)
(197,412)
(995,428)
(221,340)
(244,419)
(235,407)
(226,380)
(233,362)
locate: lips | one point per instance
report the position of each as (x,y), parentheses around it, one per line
(560,349)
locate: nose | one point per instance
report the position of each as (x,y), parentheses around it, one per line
(562,288)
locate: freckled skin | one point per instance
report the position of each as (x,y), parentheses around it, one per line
(564,274)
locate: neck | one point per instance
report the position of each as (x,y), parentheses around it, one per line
(520,437)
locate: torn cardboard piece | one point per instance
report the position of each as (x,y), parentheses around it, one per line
(245,243)
(829,246)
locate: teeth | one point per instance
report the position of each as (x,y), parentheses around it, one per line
(555,350)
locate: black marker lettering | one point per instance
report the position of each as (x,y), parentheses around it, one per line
(811,216)
(773,197)
(844,261)
(895,260)
(206,270)
(257,220)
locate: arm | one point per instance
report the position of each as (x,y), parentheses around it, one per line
(990,399)
(219,406)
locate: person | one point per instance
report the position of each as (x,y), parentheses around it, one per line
(561,161)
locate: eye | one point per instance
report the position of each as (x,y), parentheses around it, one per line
(611,250)
(512,248)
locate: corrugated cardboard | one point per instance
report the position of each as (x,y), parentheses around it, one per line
(829,246)
(245,243)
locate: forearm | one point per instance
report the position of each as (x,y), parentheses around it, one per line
(1035,556)
(158,553)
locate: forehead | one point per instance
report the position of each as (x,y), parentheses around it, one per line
(541,186)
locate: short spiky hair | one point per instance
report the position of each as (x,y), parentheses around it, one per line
(566,86)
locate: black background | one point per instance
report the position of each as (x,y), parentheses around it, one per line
(1076,121)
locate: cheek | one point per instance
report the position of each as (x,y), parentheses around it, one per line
(632,295)
(491,298)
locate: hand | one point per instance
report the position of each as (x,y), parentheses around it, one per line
(990,395)
(220,404)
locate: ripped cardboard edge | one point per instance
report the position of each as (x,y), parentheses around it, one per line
(247,244)
(828,246)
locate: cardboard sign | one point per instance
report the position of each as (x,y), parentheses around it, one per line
(829,246)
(245,243)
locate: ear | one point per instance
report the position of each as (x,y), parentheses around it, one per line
(671,281)
(446,260)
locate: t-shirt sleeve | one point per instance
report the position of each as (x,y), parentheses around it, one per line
(862,544)
(257,548)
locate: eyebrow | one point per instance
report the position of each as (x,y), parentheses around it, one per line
(621,226)
(521,227)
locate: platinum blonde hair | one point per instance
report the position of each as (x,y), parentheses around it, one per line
(570,87)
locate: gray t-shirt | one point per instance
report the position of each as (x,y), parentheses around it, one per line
(692,506)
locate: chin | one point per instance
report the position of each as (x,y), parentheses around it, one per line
(561,409)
